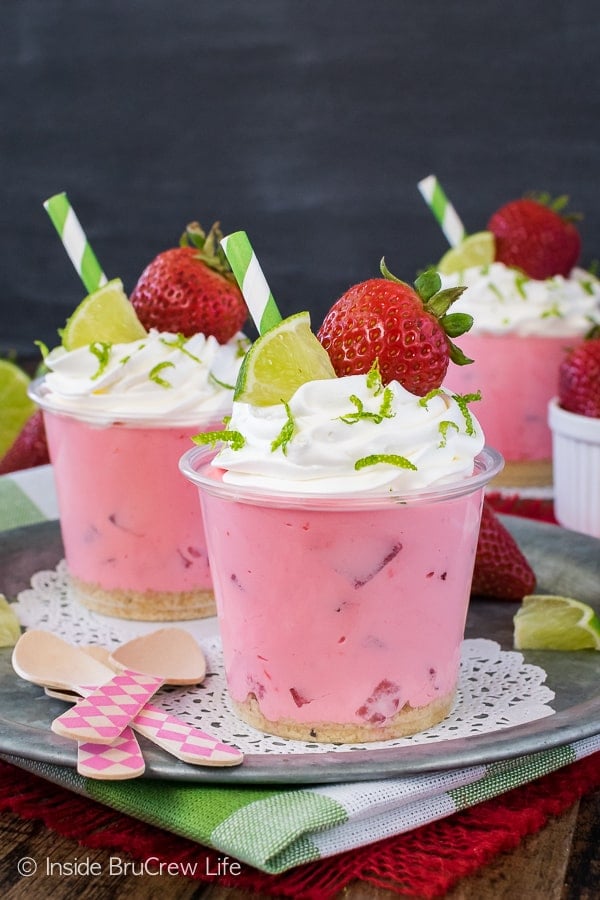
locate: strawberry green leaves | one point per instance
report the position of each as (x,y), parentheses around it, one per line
(437,302)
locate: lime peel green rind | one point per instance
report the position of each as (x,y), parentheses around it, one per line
(390,459)
(280,361)
(105,316)
(478,249)
(10,629)
(15,406)
(547,622)
(235,439)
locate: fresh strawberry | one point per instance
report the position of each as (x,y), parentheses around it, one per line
(535,238)
(29,449)
(579,379)
(501,569)
(408,331)
(191,289)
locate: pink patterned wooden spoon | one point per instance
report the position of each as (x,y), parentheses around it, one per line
(145,664)
(47,660)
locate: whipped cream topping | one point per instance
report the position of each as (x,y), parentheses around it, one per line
(349,434)
(162,375)
(502,299)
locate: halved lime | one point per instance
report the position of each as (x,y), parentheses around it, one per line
(106,315)
(547,622)
(15,405)
(477,249)
(10,630)
(280,360)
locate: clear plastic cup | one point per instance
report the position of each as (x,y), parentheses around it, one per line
(576,463)
(131,525)
(341,617)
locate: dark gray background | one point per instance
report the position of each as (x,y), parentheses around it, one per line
(305,122)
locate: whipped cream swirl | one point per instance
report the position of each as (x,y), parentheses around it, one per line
(349,434)
(502,300)
(161,376)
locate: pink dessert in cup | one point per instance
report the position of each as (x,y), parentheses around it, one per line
(134,542)
(530,302)
(123,394)
(342,525)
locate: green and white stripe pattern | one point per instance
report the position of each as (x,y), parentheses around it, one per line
(442,209)
(252,282)
(275,829)
(75,242)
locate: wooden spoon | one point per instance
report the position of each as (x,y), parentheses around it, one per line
(170,652)
(116,761)
(144,664)
(47,660)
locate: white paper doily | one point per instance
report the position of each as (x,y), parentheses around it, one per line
(496,689)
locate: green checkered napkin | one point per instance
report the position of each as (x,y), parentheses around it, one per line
(277,829)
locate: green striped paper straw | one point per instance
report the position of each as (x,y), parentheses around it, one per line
(75,242)
(252,282)
(442,209)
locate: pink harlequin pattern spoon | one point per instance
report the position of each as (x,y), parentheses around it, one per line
(47,660)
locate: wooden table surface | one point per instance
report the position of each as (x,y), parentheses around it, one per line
(560,862)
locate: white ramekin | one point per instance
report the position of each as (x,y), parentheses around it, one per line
(576,469)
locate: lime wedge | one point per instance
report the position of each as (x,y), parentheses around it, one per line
(10,630)
(283,358)
(15,405)
(106,315)
(546,622)
(477,249)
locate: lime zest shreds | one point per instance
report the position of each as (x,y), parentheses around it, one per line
(242,347)
(385,411)
(520,282)
(553,312)
(390,459)
(287,432)
(587,286)
(222,384)
(462,400)
(235,439)
(374,382)
(154,375)
(436,392)
(443,429)
(101,350)
(179,344)
(43,348)
(552,622)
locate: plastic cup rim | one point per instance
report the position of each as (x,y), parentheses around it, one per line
(198,421)
(489,461)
